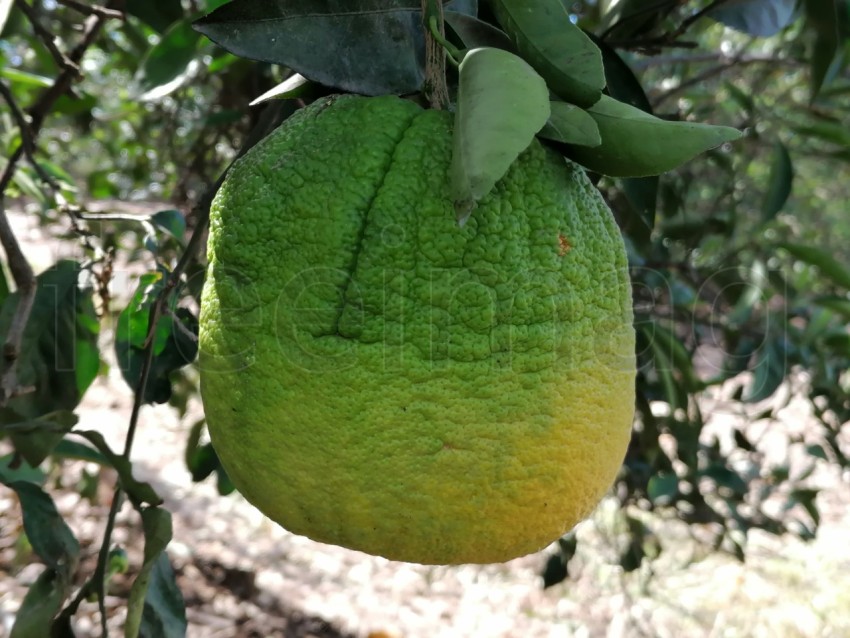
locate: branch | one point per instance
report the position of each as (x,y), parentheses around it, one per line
(94,9)
(669,39)
(21,271)
(434,87)
(48,39)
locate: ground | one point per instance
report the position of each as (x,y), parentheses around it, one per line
(243,576)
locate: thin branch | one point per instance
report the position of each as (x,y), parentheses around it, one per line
(669,39)
(94,9)
(435,88)
(48,39)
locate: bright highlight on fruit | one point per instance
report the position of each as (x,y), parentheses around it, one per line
(376,376)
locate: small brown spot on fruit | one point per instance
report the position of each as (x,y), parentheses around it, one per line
(564,245)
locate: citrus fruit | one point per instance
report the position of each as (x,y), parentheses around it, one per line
(376,376)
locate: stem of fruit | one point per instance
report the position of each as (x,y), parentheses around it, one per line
(434,87)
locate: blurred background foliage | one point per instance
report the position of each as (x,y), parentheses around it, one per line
(739,258)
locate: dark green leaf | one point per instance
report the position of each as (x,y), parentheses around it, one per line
(40,605)
(13,468)
(726,478)
(168,60)
(164,613)
(624,151)
(158,530)
(49,535)
(34,439)
(373,49)
(59,354)
(159,15)
(828,54)
(555,571)
(73,450)
(171,221)
(642,194)
(174,345)
(622,84)
(564,56)
(761,18)
(663,488)
(501,104)
(571,125)
(824,261)
(139,492)
(817,451)
(771,367)
(629,19)
(779,182)
(806,498)
(475,33)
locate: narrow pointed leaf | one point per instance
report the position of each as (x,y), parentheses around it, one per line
(637,144)
(571,125)
(828,265)
(779,182)
(557,49)
(501,104)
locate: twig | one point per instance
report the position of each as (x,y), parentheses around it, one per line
(94,9)
(21,271)
(434,88)
(669,39)
(48,39)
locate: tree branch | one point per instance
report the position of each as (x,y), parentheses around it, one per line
(48,39)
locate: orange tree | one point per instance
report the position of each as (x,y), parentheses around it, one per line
(735,257)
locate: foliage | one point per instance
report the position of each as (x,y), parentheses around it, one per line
(737,257)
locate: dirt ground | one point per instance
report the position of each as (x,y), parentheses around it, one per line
(243,576)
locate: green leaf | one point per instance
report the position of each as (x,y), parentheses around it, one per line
(625,130)
(51,538)
(779,182)
(167,62)
(828,53)
(662,488)
(59,352)
(139,492)
(770,369)
(827,264)
(501,104)
(373,48)
(42,602)
(558,50)
(159,15)
(762,18)
(13,468)
(571,125)
(171,221)
(642,195)
(24,79)
(841,305)
(164,614)
(35,439)
(475,33)
(158,531)
(623,84)
(72,450)
(174,345)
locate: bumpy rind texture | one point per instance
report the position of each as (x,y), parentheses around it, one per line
(376,377)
